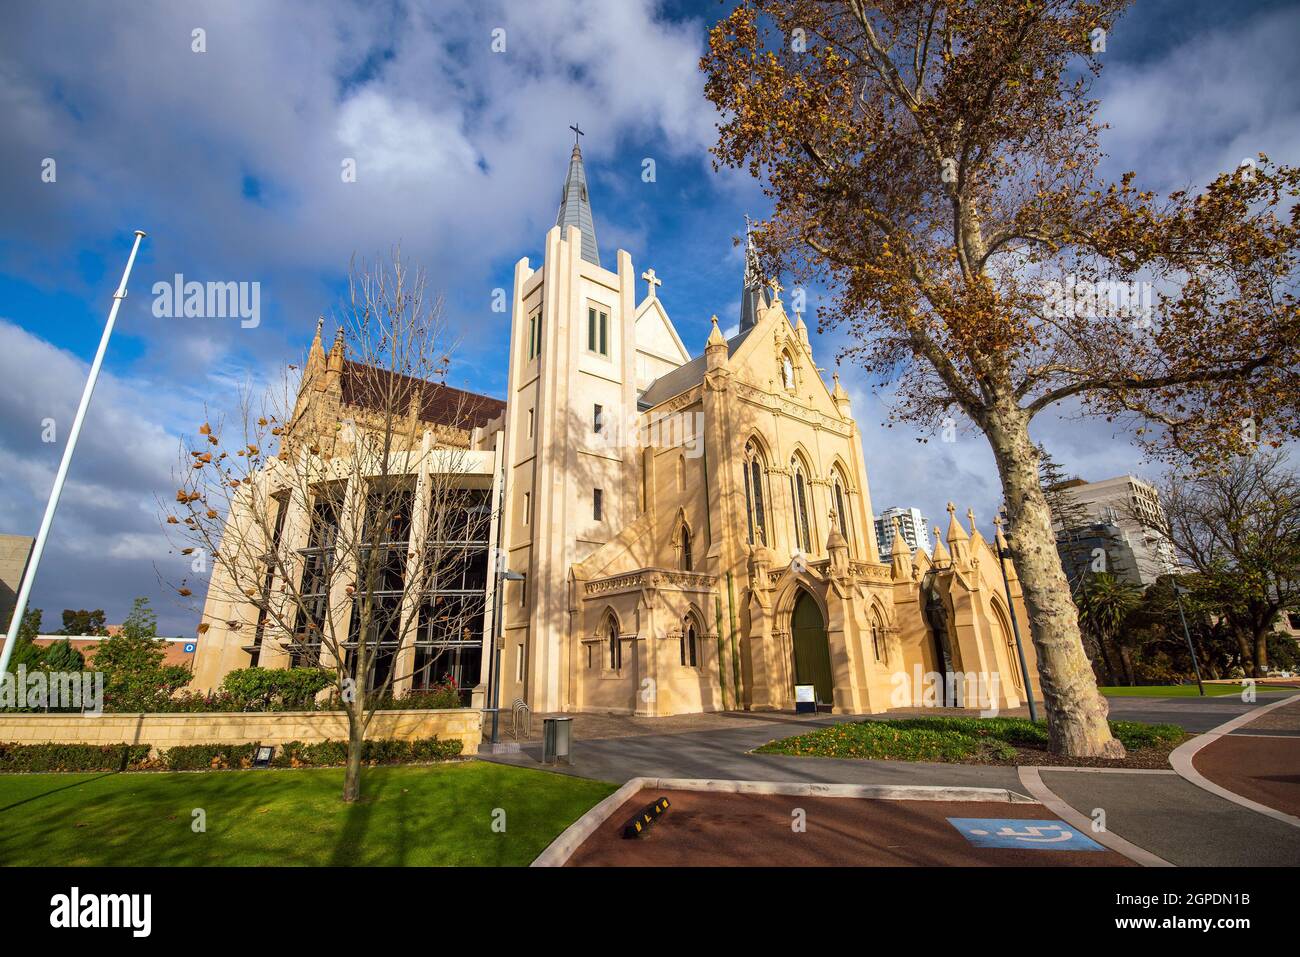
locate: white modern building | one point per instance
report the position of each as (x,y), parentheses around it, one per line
(1133,506)
(911,523)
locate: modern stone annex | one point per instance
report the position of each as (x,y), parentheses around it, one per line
(688,534)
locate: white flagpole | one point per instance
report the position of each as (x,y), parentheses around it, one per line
(30,575)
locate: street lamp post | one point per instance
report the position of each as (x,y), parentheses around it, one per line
(1178,597)
(494,662)
(24,590)
(1003,555)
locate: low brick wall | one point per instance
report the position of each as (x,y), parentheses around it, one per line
(162,730)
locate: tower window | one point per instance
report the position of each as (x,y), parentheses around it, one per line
(530,423)
(597,503)
(596,414)
(528,507)
(686,548)
(598,331)
(535,335)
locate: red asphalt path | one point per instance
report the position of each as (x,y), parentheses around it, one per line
(1260,761)
(706,828)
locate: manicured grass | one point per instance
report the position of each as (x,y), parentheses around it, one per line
(980,740)
(1183,691)
(433,815)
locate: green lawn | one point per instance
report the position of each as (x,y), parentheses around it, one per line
(1183,691)
(430,815)
(992,740)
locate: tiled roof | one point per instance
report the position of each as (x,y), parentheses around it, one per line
(440,404)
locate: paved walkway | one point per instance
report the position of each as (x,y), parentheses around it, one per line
(721,752)
(1159,812)
(1176,820)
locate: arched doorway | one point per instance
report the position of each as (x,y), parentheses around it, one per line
(812,653)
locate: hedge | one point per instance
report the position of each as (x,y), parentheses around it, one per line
(72,757)
(203,757)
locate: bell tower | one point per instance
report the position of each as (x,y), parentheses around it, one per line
(571,455)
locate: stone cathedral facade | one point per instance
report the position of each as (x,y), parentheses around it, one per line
(696,533)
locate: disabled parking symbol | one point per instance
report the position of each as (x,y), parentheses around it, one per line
(1023,832)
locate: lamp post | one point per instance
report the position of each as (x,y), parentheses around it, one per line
(24,590)
(1003,555)
(494,662)
(1179,590)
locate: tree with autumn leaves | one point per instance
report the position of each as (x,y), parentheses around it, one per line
(936,164)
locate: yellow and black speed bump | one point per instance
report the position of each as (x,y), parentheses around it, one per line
(640,822)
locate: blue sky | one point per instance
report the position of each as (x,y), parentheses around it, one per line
(230,159)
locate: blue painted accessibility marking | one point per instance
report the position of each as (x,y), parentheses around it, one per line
(1024,833)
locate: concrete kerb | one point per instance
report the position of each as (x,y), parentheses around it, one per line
(563,847)
(1181,761)
(1033,783)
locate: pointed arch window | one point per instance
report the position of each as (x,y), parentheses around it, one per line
(755,510)
(799,494)
(878,640)
(686,547)
(615,646)
(690,642)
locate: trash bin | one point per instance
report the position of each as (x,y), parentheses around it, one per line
(557,736)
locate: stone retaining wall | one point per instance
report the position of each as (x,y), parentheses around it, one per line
(165,730)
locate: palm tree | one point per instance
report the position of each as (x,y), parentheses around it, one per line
(1105,601)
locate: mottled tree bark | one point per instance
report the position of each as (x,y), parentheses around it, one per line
(1076,711)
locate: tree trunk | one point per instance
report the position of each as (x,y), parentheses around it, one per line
(1259,667)
(1126,659)
(1076,711)
(356,742)
(1246,651)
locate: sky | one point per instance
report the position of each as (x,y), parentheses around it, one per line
(232,158)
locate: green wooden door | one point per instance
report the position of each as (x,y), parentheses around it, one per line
(812,654)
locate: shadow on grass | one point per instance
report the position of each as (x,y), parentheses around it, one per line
(44,794)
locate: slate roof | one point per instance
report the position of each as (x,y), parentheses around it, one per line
(684,377)
(575,207)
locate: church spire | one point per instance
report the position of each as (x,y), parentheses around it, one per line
(755,294)
(575,205)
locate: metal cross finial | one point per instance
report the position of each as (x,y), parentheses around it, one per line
(576,133)
(650,277)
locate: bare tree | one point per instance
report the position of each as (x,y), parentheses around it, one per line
(1238,526)
(345,543)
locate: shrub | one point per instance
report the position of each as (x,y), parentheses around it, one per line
(295,754)
(202,757)
(72,757)
(437,698)
(275,689)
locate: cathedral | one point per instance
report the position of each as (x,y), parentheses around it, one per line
(683,534)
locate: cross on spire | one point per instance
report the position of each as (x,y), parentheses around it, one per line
(576,133)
